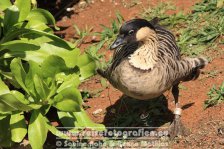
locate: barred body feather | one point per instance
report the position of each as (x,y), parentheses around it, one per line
(150,62)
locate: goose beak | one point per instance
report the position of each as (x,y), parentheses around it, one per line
(118,42)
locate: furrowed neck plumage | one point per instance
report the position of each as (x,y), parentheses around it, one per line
(121,53)
(146,56)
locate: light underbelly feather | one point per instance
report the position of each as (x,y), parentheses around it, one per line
(140,84)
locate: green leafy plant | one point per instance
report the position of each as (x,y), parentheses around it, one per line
(109,33)
(196,31)
(202,32)
(38,72)
(216,96)
(99,59)
(82,34)
(106,37)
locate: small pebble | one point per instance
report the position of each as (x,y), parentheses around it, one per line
(25,142)
(221,141)
(97,111)
(94,38)
(69,9)
(82,4)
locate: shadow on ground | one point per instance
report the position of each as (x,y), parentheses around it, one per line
(129,112)
(57,7)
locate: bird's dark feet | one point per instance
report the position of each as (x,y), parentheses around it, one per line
(177,129)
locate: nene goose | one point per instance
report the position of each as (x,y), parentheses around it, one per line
(147,62)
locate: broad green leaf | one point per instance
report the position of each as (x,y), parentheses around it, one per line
(68,100)
(11,17)
(34,68)
(5,107)
(78,120)
(69,81)
(53,65)
(47,49)
(36,24)
(55,131)
(5,135)
(19,46)
(22,31)
(18,127)
(42,16)
(35,106)
(87,70)
(4,114)
(24,8)
(86,65)
(19,96)
(19,72)
(83,60)
(53,90)
(13,101)
(70,56)
(38,39)
(71,93)
(37,130)
(83,120)
(67,119)
(4,4)
(3,88)
(40,87)
(67,105)
(9,77)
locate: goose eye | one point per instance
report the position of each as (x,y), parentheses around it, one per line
(131,32)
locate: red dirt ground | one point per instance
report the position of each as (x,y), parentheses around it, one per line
(203,124)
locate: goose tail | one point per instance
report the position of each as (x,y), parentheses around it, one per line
(195,65)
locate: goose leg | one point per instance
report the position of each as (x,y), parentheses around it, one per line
(176,128)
